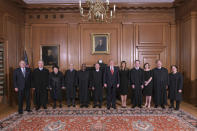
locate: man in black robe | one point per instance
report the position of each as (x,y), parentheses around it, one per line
(111,82)
(22,85)
(83,84)
(160,84)
(70,84)
(97,85)
(175,87)
(40,82)
(137,84)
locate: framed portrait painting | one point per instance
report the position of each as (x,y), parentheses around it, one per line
(49,54)
(100,43)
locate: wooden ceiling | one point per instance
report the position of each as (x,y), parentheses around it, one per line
(121,4)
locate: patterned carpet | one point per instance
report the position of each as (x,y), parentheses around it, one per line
(101,120)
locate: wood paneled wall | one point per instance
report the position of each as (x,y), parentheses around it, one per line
(143,35)
(12,36)
(186,19)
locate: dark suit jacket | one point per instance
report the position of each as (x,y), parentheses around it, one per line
(20,81)
(109,79)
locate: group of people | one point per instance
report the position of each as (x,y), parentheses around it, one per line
(143,82)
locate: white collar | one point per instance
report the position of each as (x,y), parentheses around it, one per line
(111,67)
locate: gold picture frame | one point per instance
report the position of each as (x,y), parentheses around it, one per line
(100,43)
(50,55)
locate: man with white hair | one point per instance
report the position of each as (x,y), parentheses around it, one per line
(22,85)
(70,83)
(160,85)
(40,82)
(111,82)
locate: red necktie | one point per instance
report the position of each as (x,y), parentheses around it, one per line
(112,71)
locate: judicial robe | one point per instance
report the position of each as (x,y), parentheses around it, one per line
(70,84)
(137,79)
(40,81)
(175,84)
(56,82)
(97,83)
(160,81)
(83,83)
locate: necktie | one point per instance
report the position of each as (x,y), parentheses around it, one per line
(112,71)
(24,72)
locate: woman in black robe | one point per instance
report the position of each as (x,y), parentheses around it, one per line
(175,87)
(124,83)
(56,84)
(147,91)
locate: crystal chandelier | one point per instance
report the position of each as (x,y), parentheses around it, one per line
(98,11)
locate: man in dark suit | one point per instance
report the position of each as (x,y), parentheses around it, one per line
(22,85)
(111,81)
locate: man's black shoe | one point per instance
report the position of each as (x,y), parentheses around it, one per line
(20,113)
(163,107)
(28,110)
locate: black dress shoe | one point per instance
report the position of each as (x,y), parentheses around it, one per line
(73,105)
(28,110)
(108,108)
(68,105)
(45,107)
(140,106)
(94,106)
(20,113)
(100,106)
(156,106)
(133,106)
(171,107)
(163,107)
(37,108)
